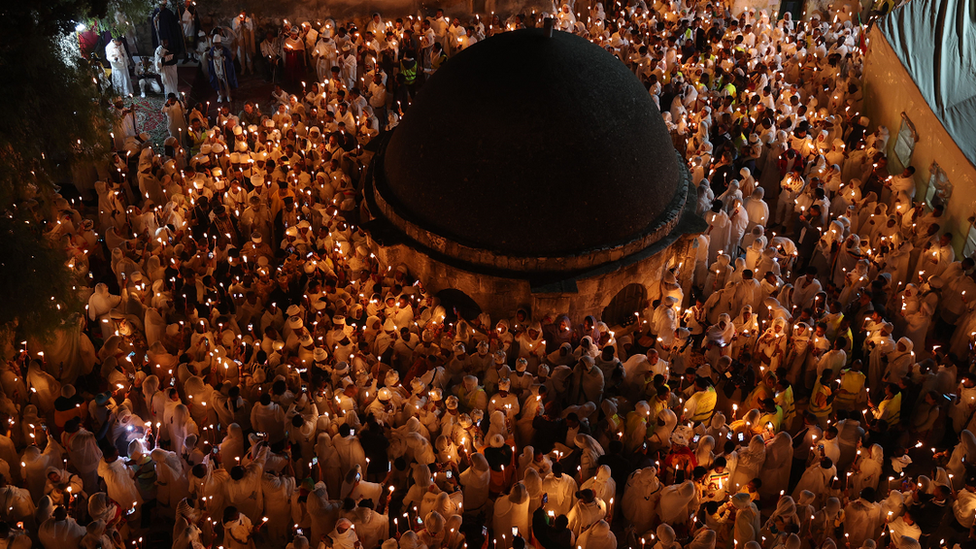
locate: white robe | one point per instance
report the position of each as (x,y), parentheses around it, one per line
(963,453)
(562,493)
(749,463)
(817,480)
(246,494)
(641,498)
(598,536)
(719,230)
(475,481)
(277,494)
(758,212)
(118,58)
(350,453)
(862,520)
(603,486)
(119,484)
(371,527)
(509,515)
(776,467)
(172,484)
(167,73)
(584,515)
(678,502)
(747,525)
(65,534)
(84,454)
(237,533)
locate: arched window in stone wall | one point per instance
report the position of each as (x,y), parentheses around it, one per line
(620,311)
(458,304)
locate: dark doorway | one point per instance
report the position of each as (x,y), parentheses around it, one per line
(631,299)
(458,304)
(795,7)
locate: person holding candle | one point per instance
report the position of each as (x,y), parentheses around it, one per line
(223,75)
(60,531)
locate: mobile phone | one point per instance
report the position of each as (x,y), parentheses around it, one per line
(742,437)
(352,432)
(315,461)
(545,498)
(450,474)
(695,439)
(420,520)
(132,354)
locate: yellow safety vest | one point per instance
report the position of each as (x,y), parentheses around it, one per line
(818,400)
(785,401)
(704,404)
(852,383)
(775,418)
(890,410)
(409,75)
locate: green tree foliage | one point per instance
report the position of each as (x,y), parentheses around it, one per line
(52,116)
(39,288)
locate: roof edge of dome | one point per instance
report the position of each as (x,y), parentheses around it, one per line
(383,203)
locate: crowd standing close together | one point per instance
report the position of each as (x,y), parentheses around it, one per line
(249,371)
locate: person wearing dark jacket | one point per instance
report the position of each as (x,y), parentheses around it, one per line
(551,532)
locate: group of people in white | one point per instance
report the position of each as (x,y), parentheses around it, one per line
(248,371)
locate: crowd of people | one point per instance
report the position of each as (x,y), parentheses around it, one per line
(249,371)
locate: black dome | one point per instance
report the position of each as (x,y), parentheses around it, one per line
(527,145)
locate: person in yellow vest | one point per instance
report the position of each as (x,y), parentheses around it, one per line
(472,396)
(730,89)
(437,58)
(881,7)
(636,426)
(659,401)
(784,399)
(889,410)
(762,391)
(699,407)
(851,389)
(613,423)
(821,398)
(844,330)
(832,318)
(772,417)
